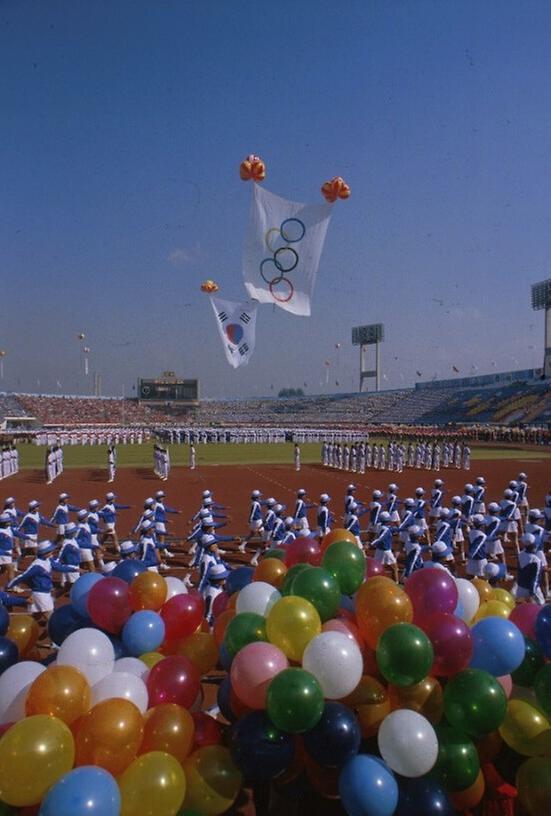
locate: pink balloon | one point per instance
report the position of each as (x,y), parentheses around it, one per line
(373,567)
(524,616)
(109,604)
(253,669)
(452,643)
(174,679)
(431,591)
(303,550)
(506,682)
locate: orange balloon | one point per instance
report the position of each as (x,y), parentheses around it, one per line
(109,735)
(221,623)
(60,691)
(24,631)
(484,590)
(471,796)
(324,780)
(168,727)
(371,703)
(232,601)
(148,590)
(202,650)
(379,604)
(271,571)
(338,534)
(426,697)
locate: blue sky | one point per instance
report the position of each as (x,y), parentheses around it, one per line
(123,125)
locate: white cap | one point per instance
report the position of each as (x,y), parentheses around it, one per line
(34,504)
(204,513)
(508,493)
(71,527)
(438,482)
(128,547)
(522,476)
(456,499)
(160,494)
(149,500)
(439,548)
(218,572)
(480,480)
(478,518)
(377,494)
(491,570)
(325,497)
(62,497)
(207,500)
(493,507)
(419,491)
(301,492)
(393,486)
(468,487)
(444,512)
(82,514)
(5,518)
(528,538)
(110,496)
(93,503)
(289,521)
(207,494)
(351,487)
(409,502)
(255,494)
(384,516)
(278,508)
(11,500)
(271,501)
(414,530)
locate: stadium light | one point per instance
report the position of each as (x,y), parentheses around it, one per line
(364,336)
(541,299)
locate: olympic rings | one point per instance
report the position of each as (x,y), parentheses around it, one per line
(286,237)
(277,297)
(264,278)
(278,263)
(267,239)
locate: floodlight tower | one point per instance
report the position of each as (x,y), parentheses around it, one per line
(541,299)
(364,336)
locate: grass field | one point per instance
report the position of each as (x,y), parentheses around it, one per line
(95,456)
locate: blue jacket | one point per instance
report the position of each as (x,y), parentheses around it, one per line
(31,522)
(38,576)
(61,513)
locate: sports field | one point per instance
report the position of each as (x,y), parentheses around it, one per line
(95,456)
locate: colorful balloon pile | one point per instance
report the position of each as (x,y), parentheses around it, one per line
(405,701)
(335,188)
(252,168)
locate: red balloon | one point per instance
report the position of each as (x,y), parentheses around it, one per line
(431,591)
(109,604)
(303,550)
(220,604)
(174,679)
(524,616)
(373,567)
(181,614)
(452,643)
(207,730)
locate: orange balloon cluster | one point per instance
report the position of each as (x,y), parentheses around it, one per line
(252,169)
(336,188)
(379,604)
(209,287)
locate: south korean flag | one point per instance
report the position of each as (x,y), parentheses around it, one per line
(236,325)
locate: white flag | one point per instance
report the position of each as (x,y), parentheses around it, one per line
(236,325)
(282,250)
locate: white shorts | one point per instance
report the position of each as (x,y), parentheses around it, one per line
(524,503)
(385,556)
(160,527)
(422,523)
(303,522)
(458,537)
(41,602)
(94,538)
(153,569)
(70,577)
(542,557)
(434,512)
(255,526)
(475,567)
(494,547)
(395,516)
(479,509)
(508,527)
(109,527)
(86,556)
(6,559)
(61,529)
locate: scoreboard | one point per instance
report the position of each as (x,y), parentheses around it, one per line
(168,389)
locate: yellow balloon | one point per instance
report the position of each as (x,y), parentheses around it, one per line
(34,754)
(213,781)
(505,597)
(291,625)
(526,730)
(484,589)
(492,609)
(151,658)
(24,632)
(154,784)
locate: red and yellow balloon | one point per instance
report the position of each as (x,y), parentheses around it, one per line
(252,168)
(335,188)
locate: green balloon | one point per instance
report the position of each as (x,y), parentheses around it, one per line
(457,764)
(530,666)
(290,575)
(345,562)
(321,589)
(7,810)
(474,702)
(533,782)
(274,552)
(294,701)
(247,627)
(404,654)
(542,688)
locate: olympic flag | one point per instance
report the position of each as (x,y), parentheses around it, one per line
(236,326)
(282,250)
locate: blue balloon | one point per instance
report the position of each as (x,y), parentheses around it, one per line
(543,630)
(63,622)
(367,787)
(259,749)
(4,620)
(224,657)
(9,654)
(423,797)
(118,646)
(143,632)
(80,590)
(238,578)
(223,698)
(49,659)
(346,602)
(85,791)
(498,646)
(127,569)
(336,737)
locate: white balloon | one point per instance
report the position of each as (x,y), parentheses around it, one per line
(174,587)
(90,651)
(469,599)
(258,597)
(408,743)
(336,662)
(121,684)
(132,665)
(15,683)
